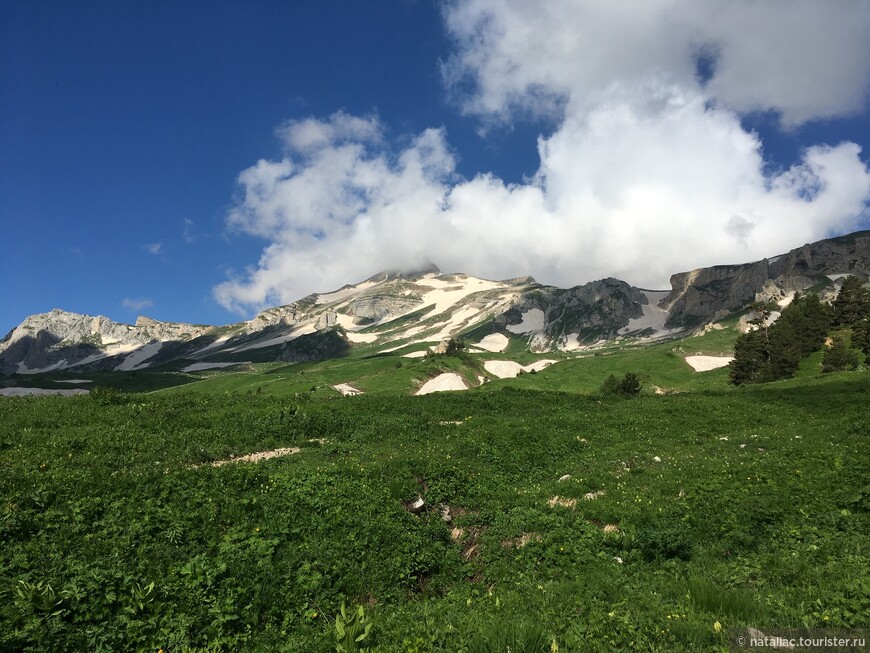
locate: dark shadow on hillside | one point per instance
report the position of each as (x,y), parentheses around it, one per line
(41,351)
(318,346)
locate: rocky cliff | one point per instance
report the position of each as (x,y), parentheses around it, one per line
(708,294)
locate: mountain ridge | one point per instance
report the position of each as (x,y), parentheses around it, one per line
(395,310)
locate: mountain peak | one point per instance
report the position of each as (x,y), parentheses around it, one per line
(413,273)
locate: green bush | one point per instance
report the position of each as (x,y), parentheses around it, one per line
(628,386)
(839,357)
(106,395)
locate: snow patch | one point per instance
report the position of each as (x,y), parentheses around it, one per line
(39,392)
(415,354)
(785,301)
(76,381)
(198,367)
(533,320)
(216,343)
(494,342)
(347,390)
(136,360)
(278,340)
(511,369)
(361,337)
(443,383)
(653,317)
(707,363)
(571,343)
(447,293)
(344,293)
(23,369)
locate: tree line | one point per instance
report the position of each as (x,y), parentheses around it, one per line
(768,352)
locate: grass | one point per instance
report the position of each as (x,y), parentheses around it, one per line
(747,507)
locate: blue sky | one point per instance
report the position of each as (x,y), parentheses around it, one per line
(392,132)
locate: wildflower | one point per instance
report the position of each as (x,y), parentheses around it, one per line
(314,615)
(717,627)
(554,647)
(257,530)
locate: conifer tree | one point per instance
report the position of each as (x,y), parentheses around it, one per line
(852,303)
(861,337)
(839,357)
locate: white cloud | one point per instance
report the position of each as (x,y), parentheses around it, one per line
(804,58)
(136,304)
(649,171)
(153,248)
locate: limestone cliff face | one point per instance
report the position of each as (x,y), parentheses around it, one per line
(60,339)
(709,294)
(600,308)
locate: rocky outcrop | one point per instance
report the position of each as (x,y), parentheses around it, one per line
(709,294)
(600,308)
(61,339)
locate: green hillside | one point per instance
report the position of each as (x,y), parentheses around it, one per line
(674,513)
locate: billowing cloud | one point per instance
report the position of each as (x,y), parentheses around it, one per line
(648,172)
(802,58)
(136,304)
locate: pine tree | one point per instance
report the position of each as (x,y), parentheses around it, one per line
(839,357)
(852,303)
(769,353)
(751,357)
(861,337)
(804,324)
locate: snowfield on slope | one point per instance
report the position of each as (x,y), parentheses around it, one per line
(533,320)
(39,392)
(347,390)
(707,363)
(137,360)
(198,367)
(494,342)
(443,383)
(511,369)
(653,317)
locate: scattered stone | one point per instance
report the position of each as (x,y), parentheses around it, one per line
(444,511)
(521,541)
(456,534)
(656,459)
(618,559)
(610,528)
(347,390)
(564,502)
(566,477)
(417,506)
(591,496)
(255,457)
(742,446)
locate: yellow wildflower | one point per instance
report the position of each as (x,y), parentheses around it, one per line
(717,627)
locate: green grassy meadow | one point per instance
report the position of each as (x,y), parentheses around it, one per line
(677,515)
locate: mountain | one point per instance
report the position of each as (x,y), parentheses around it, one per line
(414,310)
